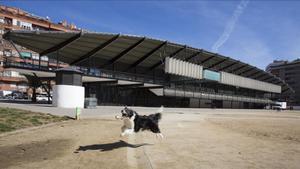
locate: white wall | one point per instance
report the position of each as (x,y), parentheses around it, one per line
(183,68)
(235,80)
(68,96)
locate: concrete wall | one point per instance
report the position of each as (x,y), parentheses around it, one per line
(183,68)
(194,103)
(205,103)
(226,104)
(68,96)
(235,80)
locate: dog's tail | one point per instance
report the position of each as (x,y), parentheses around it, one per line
(161,109)
(157,116)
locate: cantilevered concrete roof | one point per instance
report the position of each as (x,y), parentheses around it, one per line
(105,49)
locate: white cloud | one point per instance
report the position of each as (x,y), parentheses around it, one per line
(230,25)
(247,46)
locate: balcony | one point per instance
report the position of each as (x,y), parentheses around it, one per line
(12,79)
(93,72)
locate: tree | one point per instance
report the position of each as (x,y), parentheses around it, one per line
(35,82)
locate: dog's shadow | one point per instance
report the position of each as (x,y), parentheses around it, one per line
(109,146)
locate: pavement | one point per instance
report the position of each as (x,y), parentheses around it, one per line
(194,138)
(107,111)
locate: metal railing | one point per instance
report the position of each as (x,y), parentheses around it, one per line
(93,72)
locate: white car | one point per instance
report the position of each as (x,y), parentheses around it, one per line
(42,97)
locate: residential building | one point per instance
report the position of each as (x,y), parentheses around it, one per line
(289,71)
(17,19)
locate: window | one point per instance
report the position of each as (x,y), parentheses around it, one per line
(7,73)
(44,58)
(7,52)
(35,56)
(25,55)
(290,73)
(289,68)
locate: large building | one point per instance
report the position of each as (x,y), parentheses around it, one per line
(16,19)
(142,71)
(290,73)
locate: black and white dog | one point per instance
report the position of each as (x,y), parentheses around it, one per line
(133,122)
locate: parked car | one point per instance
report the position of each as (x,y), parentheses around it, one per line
(279,106)
(9,96)
(3,93)
(42,97)
(18,95)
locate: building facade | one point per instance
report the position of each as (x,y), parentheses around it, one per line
(121,69)
(290,73)
(16,19)
(130,70)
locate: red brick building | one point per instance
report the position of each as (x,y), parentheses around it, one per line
(17,19)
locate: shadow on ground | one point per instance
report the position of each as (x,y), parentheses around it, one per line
(109,146)
(34,151)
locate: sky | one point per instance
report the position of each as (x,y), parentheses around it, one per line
(253,31)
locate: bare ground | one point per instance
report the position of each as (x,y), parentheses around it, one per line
(192,140)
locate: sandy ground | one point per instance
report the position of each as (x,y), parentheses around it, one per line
(218,139)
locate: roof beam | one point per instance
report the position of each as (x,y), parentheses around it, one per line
(61,45)
(207,59)
(223,68)
(146,56)
(178,51)
(172,55)
(261,75)
(284,90)
(278,82)
(238,68)
(274,79)
(154,66)
(124,52)
(95,50)
(193,55)
(266,79)
(247,70)
(254,73)
(215,64)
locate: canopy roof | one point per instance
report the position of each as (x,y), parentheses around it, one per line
(105,49)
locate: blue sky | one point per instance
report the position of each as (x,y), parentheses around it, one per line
(256,32)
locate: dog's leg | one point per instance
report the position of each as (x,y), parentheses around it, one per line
(159,135)
(123,129)
(126,131)
(129,131)
(155,129)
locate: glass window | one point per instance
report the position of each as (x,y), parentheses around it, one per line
(25,54)
(212,75)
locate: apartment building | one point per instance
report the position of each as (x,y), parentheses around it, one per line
(12,18)
(289,71)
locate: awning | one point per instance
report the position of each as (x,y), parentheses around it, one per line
(127,52)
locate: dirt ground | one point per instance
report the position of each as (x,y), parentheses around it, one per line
(192,140)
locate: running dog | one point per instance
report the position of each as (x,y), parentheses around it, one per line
(133,122)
